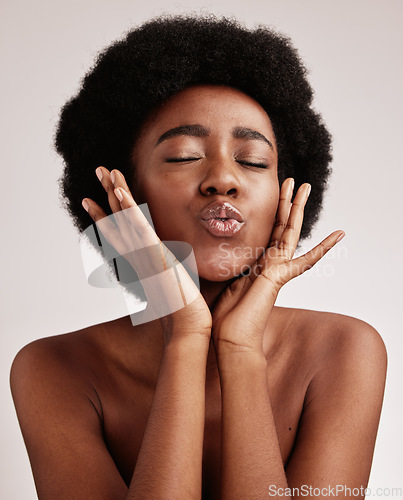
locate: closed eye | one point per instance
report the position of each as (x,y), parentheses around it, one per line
(259,165)
(249,164)
(175,160)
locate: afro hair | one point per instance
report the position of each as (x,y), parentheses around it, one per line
(165,55)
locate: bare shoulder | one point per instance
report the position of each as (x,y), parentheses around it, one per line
(79,347)
(59,364)
(343,398)
(329,340)
(327,331)
(346,337)
(55,352)
(72,362)
(54,386)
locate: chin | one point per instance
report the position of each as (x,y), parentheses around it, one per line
(226,263)
(221,271)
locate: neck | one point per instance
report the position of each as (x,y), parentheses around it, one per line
(211,290)
(150,335)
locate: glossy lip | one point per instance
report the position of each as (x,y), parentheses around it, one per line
(221,210)
(212,217)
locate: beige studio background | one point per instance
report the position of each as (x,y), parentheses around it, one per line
(353,50)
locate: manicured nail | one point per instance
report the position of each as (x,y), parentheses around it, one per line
(85,205)
(118,194)
(98,171)
(340,237)
(308,190)
(113,177)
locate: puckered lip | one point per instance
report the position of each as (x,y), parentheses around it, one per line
(221,210)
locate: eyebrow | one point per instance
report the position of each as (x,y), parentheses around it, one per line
(200,131)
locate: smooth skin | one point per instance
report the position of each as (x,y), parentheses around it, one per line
(230,397)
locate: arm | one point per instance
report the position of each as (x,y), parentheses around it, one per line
(169,464)
(170,460)
(62,428)
(250,454)
(339,422)
(337,430)
(251,459)
(63,431)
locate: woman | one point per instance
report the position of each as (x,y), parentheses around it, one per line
(228,396)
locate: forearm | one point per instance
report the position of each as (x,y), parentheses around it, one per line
(250,455)
(170,460)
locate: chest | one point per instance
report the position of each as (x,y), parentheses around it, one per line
(127,407)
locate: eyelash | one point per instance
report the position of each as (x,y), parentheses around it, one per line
(178,160)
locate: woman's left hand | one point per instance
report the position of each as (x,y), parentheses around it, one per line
(242,311)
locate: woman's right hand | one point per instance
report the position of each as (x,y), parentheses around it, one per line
(171,293)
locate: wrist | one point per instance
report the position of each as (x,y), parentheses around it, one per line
(174,331)
(189,344)
(240,359)
(225,346)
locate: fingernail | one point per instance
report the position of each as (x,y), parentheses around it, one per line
(118,194)
(98,171)
(340,237)
(85,205)
(308,190)
(113,177)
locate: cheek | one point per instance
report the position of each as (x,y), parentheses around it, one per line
(166,211)
(268,205)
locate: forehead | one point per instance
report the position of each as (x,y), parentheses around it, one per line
(215,105)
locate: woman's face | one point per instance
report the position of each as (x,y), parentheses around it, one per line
(194,169)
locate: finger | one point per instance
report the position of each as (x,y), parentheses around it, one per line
(118,180)
(152,260)
(133,215)
(93,209)
(283,211)
(265,289)
(108,181)
(104,177)
(107,227)
(308,260)
(290,237)
(133,222)
(129,236)
(231,296)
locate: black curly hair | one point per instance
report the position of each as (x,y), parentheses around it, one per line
(167,54)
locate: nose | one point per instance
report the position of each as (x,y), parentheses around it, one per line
(220,178)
